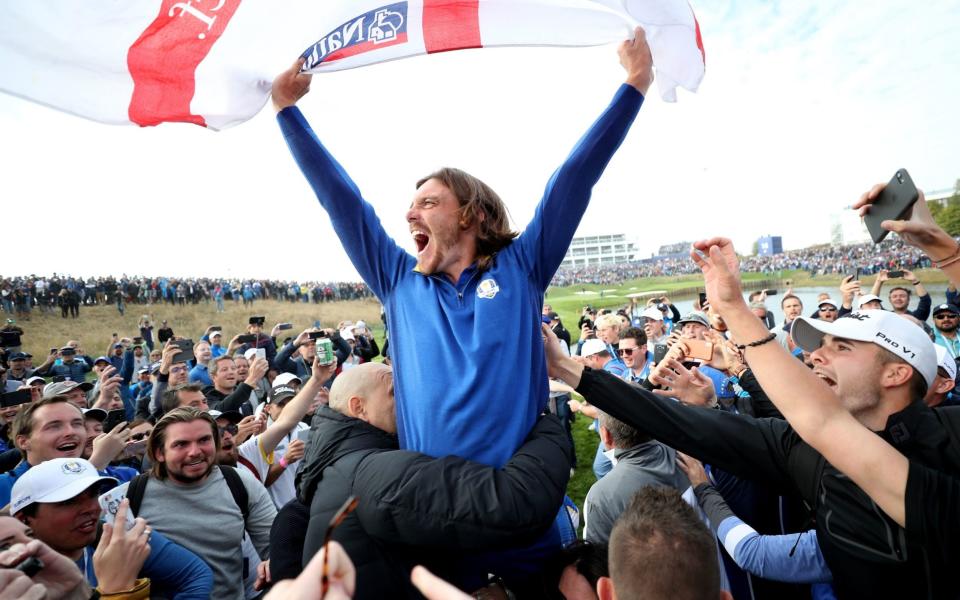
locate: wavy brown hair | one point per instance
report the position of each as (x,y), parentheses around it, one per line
(480,204)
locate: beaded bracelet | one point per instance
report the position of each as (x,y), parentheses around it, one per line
(769,338)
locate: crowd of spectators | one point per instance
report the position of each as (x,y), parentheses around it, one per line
(21,295)
(892,253)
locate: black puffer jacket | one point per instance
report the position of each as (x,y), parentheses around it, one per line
(444,506)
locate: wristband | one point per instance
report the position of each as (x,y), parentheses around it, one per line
(917,282)
(283,462)
(948,260)
(759,342)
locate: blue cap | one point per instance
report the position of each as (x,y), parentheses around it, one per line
(104,359)
(18,356)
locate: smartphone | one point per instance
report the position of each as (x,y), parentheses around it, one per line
(316,335)
(114,418)
(247,338)
(30,566)
(283,326)
(659,352)
(215,328)
(545,320)
(54,350)
(257,320)
(186,351)
(138,340)
(855,276)
(703,299)
(699,349)
(895,274)
(770,292)
(894,203)
(15,398)
(261,353)
(316,324)
(134,448)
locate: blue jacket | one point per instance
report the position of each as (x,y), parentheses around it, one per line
(74,371)
(200,374)
(174,571)
(458,384)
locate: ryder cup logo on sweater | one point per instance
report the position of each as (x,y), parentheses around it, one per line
(488,288)
(378,28)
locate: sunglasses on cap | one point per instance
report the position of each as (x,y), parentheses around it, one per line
(141,435)
(230,428)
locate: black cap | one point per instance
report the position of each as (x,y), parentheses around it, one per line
(280,393)
(946,307)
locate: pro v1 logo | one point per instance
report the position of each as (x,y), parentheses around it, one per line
(377,28)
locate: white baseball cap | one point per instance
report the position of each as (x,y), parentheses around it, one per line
(592,346)
(347,333)
(285,379)
(653,313)
(946,361)
(53,481)
(868,298)
(885,329)
(828,300)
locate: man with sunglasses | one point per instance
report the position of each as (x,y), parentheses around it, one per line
(633,352)
(827,310)
(946,318)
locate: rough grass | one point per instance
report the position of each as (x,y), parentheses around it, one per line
(96,323)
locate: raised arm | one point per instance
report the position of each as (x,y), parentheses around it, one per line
(757,449)
(816,415)
(297,407)
(375,255)
(546,238)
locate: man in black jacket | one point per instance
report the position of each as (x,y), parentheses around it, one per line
(414,508)
(879,365)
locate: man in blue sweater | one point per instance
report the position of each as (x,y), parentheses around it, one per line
(472,394)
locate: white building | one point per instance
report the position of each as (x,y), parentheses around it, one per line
(846,227)
(599,249)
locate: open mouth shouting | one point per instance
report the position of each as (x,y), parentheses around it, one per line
(421,239)
(825,378)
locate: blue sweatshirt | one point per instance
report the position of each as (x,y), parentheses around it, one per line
(462,386)
(174,571)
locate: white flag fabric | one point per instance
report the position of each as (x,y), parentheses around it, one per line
(211,62)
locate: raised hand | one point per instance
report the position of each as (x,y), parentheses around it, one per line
(290,86)
(721,272)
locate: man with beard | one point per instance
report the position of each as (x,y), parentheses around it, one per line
(183,446)
(946,317)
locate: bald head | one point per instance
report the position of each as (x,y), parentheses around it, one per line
(365,392)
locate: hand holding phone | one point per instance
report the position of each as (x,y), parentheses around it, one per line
(893,203)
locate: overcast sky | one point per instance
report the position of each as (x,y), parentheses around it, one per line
(804,105)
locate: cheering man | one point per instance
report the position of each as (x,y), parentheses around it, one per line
(471,275)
